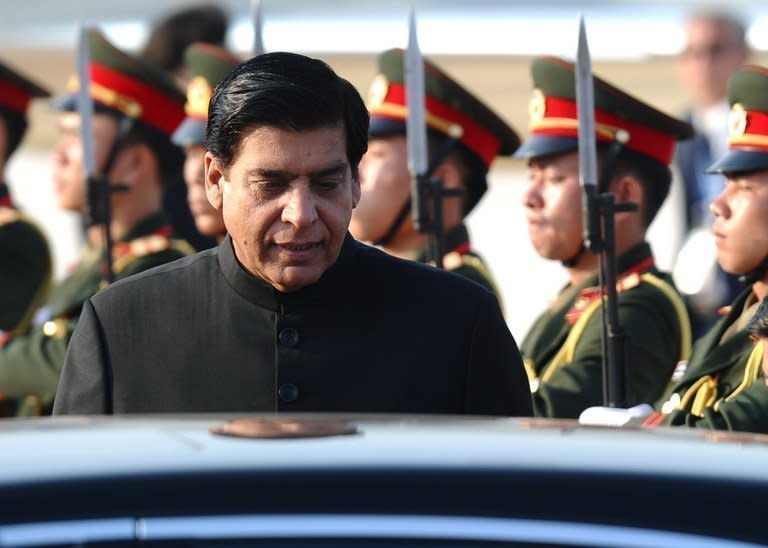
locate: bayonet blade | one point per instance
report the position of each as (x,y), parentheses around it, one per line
(416,129)
(585,102)
(84,102)
(256,16)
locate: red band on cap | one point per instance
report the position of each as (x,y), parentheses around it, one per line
(14,97)
(478,139)
(755,133)
(157,109)
(561,119)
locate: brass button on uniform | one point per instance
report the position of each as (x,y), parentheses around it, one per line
(288,337)
(288,392)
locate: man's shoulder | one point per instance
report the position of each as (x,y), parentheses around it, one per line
(168,275)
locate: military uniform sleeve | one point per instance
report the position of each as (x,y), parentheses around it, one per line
(84,384)
(496,380)
(746,412)
(654,349)
(30,364)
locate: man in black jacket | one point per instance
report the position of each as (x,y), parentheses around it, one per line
(290,313)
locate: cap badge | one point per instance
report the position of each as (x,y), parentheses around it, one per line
(198,96)
(378,91)
(737,120)
(537,107)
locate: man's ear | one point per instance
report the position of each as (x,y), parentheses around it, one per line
(133,164)
(449,174)
(214,179)
(355,182)
(627,189)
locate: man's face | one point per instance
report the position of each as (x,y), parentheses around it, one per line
(385,187)
(712,53)
(68,162)
(287,200)
(552,201)
(741,222)
(208,219)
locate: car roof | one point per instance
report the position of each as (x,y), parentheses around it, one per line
(92,447)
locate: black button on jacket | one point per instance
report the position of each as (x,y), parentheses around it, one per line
(374,334)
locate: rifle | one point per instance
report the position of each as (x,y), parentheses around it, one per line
(427,193)
(599,208)
(97,188)
(256,18)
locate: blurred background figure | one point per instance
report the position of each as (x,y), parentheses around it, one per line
(168,40)
(715,47)
(206,65)
(170,37)
(25,260)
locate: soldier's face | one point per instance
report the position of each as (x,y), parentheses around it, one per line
(208,219)
(740,227)
(68,163)
(552,200)
(384,186)
(287,199)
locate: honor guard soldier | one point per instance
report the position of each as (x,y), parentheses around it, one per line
(723,385)
(136,108)
(455,118)
(563,349)
(206,65)
(25,260)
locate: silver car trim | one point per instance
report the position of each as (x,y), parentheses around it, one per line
(349,526)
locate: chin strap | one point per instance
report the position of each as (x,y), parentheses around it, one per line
(389,234)
(757,274)
(571,262)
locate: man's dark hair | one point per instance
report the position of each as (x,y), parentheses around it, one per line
(758,325)
(654,177)
(287,91)
(16,127)
(171,36)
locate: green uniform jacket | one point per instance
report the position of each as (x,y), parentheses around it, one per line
(463,261)
(25,268)
(729,408)
(30,363)
(654,319)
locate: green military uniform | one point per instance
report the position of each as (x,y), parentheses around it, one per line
(718,389)
(25,268)
(453,114)
(130,90)
(25,261)
(563,350)
(30,363)
(723,386)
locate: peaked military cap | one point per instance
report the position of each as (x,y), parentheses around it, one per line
(451,110)
(129,86)
(16,91)
(207,65)
(748,123)
(554,120)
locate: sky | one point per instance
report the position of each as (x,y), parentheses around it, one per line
(617,29)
